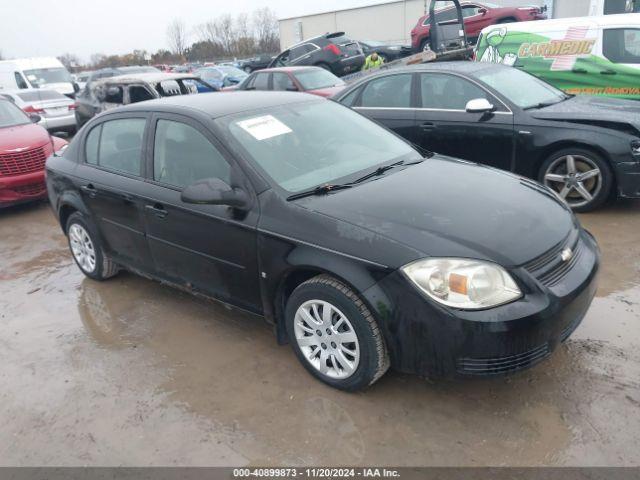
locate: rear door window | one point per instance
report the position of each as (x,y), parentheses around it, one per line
(622,45)
(392,91)
(261,82)
(282,81)
(117,145)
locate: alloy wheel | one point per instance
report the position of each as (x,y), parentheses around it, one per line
(327,339)
(82,248)
(576,178)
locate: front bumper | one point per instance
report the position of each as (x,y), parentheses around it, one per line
(351,64)
(22,188)
(428,339)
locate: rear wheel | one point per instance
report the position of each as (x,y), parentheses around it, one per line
(86,249)
(425,45)
(581,177)
(247,69)
(334,335)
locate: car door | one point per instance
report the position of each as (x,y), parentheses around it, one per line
(444,126)
(260,81)
(111,177)
(474,21)
(207,248)
(389,101)
(302,54)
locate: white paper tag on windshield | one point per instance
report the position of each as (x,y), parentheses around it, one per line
(264,127)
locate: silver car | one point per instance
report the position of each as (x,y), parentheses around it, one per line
(56,111)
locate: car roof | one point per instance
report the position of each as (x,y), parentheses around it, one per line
(459,66)
(151,77)
(217,104)
(288,69)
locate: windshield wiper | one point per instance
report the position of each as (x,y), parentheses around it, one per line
(320,190)
(385,168)
(546,104)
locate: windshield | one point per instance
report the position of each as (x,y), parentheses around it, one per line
(320,78)
(11,115)
(523,89)
(43,76)
(304,145)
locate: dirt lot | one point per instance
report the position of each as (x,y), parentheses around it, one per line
(129,372)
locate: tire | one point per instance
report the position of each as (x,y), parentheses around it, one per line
(351,349)
(86,249)
(506,20)
(424,44)
(247,69)
(556,174)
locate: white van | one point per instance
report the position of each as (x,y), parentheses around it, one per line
(44,72)
(586,55)
(613,7)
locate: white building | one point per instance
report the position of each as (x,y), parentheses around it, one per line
(392,21)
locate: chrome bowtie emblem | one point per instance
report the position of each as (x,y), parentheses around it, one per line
(17,150)
(566,255)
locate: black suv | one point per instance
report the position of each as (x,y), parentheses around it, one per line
(332,51)
(255,63)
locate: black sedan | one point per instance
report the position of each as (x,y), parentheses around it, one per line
(362,252)
(587,149)
(389,52)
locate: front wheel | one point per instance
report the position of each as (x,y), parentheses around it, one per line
(334,335)
(581,177)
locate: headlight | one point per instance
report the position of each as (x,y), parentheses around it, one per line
(463,283)
(635,147)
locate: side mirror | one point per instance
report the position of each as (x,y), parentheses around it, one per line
(35,118)
(482,11)
(76,87)
(213,191)
(479,105)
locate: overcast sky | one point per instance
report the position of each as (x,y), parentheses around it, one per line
(82,27)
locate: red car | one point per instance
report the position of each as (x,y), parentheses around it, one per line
(315,80)
(476,17)
(24,148)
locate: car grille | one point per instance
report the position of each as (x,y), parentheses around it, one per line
(30,189)
(27,161)
(549,268)
(500,365)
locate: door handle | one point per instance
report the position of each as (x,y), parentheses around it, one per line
(609,72)
(158,210)
(579,70)
(127,198)
(90,190)
(428,126)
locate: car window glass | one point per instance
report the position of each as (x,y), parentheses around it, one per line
(91,145)
(622,45)
(261,82)
(20,81)
(113,94)
(448,92)
(282,81)
(469,11)
(139,94)
(298,51)
(182,156)
(445,16)
(121,145)
(392,91)
(350,98)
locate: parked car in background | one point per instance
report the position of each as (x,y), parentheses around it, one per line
(114,92)
(333,51)
(388,52)
(275,203)
(255,63)
(476,16)
(24,148)
(42,72)
(221,76)
(613,7)
(589,55)
(315,80)
(56,111)
(586,149)
(82,78)
(163,68)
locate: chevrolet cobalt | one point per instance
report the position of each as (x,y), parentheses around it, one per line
(363,252)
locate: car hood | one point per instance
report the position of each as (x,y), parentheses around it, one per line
(21,137)
(584,109)
(327,92)
(449,208)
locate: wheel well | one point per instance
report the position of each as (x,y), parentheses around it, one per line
(65,212)
(507,20)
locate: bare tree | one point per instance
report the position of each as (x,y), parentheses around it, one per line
(265,25)
(177,37)
(225,33)
(245,40)
(70,61)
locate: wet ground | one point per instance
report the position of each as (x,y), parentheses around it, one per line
(128,372)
